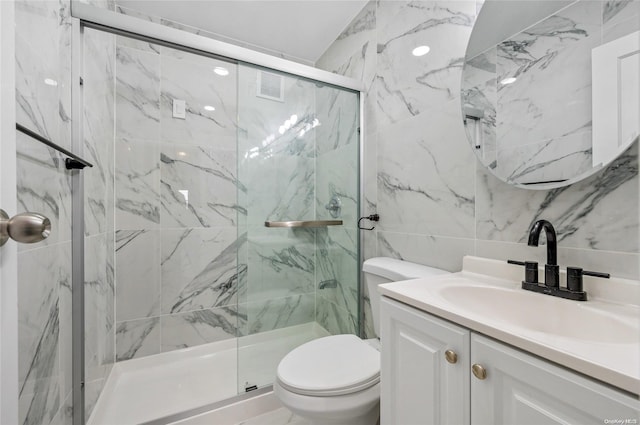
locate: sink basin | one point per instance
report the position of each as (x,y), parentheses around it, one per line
(599,338)
(541,313)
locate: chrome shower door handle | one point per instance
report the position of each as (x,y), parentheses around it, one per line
(24,227)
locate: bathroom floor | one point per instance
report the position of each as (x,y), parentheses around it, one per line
(281,416)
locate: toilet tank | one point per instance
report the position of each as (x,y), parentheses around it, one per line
(381,270)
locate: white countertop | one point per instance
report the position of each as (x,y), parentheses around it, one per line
(599,338)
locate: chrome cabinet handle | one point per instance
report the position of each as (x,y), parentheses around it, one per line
(24,227)
(479,371)
(451,356)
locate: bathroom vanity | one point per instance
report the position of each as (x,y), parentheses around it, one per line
(473,348)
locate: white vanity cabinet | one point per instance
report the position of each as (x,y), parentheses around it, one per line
(419,385)
(424,371)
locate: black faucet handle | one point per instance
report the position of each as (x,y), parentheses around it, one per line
(596,274)
(530,270)
(574,278)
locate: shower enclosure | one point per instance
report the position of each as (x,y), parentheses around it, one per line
(200,157)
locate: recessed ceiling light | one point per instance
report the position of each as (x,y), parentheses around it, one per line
(209,108)
(509,80)
(221,71)
(420,50)
(181,153)
(50,82)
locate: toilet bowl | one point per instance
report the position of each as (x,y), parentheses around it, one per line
(336,379)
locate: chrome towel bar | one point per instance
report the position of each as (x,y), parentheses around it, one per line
(307,223)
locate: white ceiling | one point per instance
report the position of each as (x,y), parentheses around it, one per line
(301,29)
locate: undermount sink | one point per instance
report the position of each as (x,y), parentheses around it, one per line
(540,313)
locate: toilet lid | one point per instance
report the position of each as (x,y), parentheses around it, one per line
(333,365)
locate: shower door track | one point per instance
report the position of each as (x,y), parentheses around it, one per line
(209,407)
(84,15)
(113,22)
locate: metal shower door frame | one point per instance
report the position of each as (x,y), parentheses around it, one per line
(84,15)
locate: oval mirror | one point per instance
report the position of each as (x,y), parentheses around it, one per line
(551,89)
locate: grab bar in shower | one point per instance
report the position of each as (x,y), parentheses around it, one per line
(71,163)
(308,223)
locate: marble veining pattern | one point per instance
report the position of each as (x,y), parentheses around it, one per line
(37,37)
(199,268)
(137,338)
(46,272)
(137,94)
(335,319)
(137,274)
(98,130)
(276,313)
(43,104)
(426,170)
(599,215)
(137,186)
(521,128)
(337,266)
(44,186)
(337,175)
(281,262)
(190,77)
(99,305)
(199,327)
(409,85)
(600,212)
(620,17)
(198,187)
(354,54)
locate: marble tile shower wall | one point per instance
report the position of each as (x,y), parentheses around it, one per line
(436,201)
(297,276)
(278,172)
(43,99)
(175,201)
(99,136)
(337,153)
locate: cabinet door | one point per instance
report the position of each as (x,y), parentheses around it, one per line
(522,389)
(418,384)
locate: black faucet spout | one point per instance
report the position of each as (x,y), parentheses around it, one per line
(552,243)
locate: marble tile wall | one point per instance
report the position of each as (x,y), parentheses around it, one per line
(436,200)
(291,173)
(176,207)
(277,169)
(43,185)
(98,130)
(337,175)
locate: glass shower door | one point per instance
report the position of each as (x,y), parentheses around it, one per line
(298,153)
(159,123)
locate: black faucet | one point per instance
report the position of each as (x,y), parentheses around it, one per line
(574,289)
(551,269)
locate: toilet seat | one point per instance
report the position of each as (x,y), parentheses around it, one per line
(330,366)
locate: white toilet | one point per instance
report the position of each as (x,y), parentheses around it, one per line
(336,379)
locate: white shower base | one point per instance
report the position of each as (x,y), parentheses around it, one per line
(141,390)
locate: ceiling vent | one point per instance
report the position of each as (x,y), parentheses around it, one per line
(271,86)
